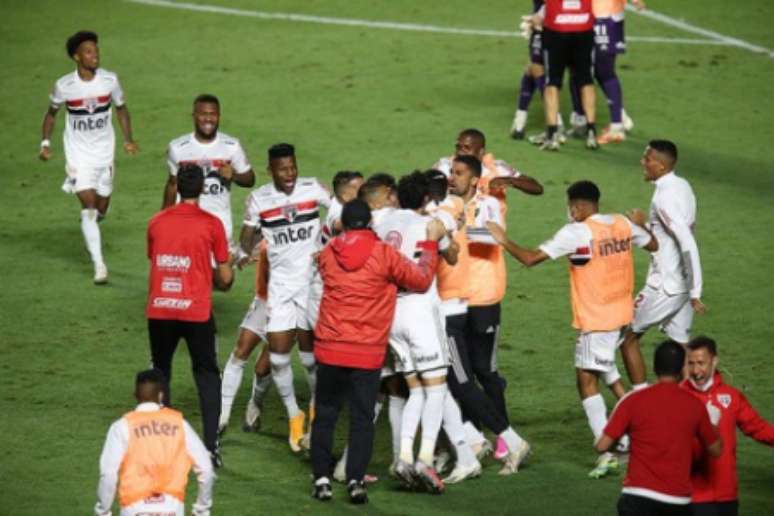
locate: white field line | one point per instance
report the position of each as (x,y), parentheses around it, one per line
(716,36)
(326,20)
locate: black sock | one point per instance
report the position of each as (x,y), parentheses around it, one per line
(551,131)
(591,127)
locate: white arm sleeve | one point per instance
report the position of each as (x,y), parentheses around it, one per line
(56,97)
(113,453)
(673,221)
(252,216)
(571,239)
(239,160)
(324,196)
(117,94)
(489,211)
(172,161)
(640,237)
(202,466)
(505,170)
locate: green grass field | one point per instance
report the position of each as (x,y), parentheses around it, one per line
(373,100)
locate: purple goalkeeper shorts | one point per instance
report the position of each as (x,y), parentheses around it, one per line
(609,36)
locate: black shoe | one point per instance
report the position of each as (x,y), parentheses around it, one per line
(217,460)
(322,490)
(358,493)
(517,135)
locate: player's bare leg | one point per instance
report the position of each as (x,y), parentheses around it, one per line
(261,384)
(551,106)
(632,358)
(589,99)
(91,234)
(280,344)
(232,374)
(596,413)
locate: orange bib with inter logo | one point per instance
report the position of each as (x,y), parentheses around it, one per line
(601,289)
(156,459)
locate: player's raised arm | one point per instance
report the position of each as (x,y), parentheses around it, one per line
(528,257)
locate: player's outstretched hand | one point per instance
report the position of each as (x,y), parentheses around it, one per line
(435,230)
(698,306)
(45,153)
(637,217)
(497,231)
(226,172)
(131,148)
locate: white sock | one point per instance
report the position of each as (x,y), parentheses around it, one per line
(232,377)
(282,375)
(455,430)
(596,413)
(512,439)
(412,411)
(395,410)
(472,434)
(638,386)
(432,416)
(91,235)
(378,409)
(261,385)
(520,120)
(309,363)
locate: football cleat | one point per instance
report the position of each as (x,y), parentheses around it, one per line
(628,123)
(100,274)
(501,449)
(460,473)
(591,140)
(551,145)
(442,461)
(358,493)
(515,459)
(405,474)
(611,136)
(322,489)
(296,431)
(482,449)
(252,421)
(429,478)
(606,463)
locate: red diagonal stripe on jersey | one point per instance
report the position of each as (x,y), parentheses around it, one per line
(215,163)
(276,212)
(79,102)
(582,250)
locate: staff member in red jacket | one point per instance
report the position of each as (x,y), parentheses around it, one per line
(361,276)
(714,479)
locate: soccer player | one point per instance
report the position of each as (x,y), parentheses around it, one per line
(287,213)
(89,141)
(568,40)
(251,332)
(148,453)
(599,248)
(673,287)
(715,490)
(465,204)
(609,42)
(220,156)
(534,76)
(663,421)
(346,184)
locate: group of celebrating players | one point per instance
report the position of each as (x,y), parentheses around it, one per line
(442,373)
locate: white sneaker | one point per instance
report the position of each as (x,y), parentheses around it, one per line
(100,274)
(442,461)
(628,123)
(578,125)
(519,123)
(461,473)
(252,417)
(515,459)
(340,471)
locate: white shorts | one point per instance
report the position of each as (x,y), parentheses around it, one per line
(595,350)
(313,303)
(417,337)
(672,313)
(286,306)
(255,318)
(89,178)
(162,505)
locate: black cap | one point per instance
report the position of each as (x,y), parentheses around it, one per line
(356,215)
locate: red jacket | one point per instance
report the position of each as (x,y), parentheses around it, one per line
(714,480)
(361,276)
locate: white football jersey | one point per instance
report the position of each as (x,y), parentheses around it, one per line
(89,139)
(291,226)
(211,156)
(403,230)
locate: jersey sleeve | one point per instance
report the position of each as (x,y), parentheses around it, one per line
(220,242)
(503,169)
(446,219)
(252,216)
(670,215)
(489,211)
(640,237)
(566,241)
(172,160)
(117,94)
(323,195)
(619,419)
(239,160)
(57,96)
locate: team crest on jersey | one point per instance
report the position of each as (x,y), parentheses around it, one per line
(725,400)
(289,212)
(90,105)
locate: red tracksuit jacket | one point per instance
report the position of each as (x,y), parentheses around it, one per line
(714,480)
(361,276)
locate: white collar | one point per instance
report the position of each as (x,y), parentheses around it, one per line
(148,406)
(665,178)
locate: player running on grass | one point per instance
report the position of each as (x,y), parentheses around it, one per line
(89,141)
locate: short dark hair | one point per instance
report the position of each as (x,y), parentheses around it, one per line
(475,134)
(472,162)
(665,147)
(74,41)
(438,184)
(207,98)
(281,150)
(669,359)
(343,177)
(355,214)
(190,181)
(584,191)
(703,342)
(374,183)
(413,190)
(150,376)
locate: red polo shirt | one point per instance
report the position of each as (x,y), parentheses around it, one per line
(182,240)
(662,421)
